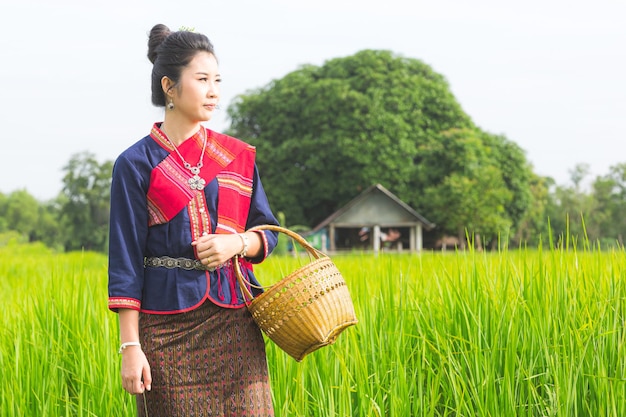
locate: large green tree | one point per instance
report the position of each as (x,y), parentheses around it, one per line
(325,133)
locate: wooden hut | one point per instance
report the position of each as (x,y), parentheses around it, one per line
(374,220)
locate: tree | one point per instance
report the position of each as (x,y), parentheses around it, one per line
(48,229)
(534,226)
(609,193)
(326,133)
(569,208)
(465,188)
(84,204)
(20,213)
(4,224)
(516,174)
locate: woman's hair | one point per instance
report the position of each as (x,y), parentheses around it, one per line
(169,53)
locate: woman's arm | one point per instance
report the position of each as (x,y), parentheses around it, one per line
(136,375)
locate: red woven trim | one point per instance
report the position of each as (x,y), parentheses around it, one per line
(235,193)
(168,188)
(206,298)
(124,302)
(199,219)
(236,182)
(227,225)
(159,137)
(219,151)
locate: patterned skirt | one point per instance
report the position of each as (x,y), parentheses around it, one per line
(207,362)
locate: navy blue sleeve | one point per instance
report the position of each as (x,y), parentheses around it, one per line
(128,231)
(260,214)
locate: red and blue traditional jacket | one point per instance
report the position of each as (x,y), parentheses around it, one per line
(155,213)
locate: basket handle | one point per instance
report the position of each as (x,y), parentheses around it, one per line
(316,254)
(302,241)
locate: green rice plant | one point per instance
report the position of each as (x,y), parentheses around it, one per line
(521,333)
(510,333)
(57,349)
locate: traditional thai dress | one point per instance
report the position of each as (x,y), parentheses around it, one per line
(206,354)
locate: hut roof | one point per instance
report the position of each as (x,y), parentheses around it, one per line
(375,206)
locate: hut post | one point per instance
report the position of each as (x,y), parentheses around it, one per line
(376,238)
(331,237)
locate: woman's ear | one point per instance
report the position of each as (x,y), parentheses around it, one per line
(166,85)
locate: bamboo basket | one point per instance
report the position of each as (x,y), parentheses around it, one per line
(307,309)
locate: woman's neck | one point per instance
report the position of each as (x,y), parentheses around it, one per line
(178,131)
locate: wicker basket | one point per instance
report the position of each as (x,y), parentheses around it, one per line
(307,309)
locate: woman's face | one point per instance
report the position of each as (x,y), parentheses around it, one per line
(198,90)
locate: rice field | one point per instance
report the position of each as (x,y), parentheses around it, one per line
(514,333)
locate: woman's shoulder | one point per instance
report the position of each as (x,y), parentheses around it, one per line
(234,145)
(228,141)
(139,147)
(145,149)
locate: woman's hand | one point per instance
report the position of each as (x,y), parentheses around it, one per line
(136,375)
(215,249)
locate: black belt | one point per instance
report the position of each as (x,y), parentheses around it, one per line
(171,263)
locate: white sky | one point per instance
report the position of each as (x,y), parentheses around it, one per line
(548,74)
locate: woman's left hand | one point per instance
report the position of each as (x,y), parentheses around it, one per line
(215,249)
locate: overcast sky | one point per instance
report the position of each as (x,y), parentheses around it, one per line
(550,75)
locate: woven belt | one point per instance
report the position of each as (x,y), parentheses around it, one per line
(171,263)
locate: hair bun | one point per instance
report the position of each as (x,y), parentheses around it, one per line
(157,35)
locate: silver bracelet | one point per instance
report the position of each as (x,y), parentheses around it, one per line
(245,242)
(126,344)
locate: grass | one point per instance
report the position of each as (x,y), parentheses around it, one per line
(514,333)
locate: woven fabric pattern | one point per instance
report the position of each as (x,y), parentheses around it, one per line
(207,362)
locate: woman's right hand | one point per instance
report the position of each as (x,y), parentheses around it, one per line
(136,375)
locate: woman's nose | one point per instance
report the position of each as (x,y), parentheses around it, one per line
(213,90)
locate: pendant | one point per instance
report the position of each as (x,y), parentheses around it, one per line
(196,183)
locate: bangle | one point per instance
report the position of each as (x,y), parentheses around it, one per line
(125,345)
(245,242)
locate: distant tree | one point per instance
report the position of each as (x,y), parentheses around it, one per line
(20,213)
(84,204)
(569,209)
(48,228)
(577,212)
(464,186)
(4,224)
(326,133)
(534,226)
(578,175)
(609,192)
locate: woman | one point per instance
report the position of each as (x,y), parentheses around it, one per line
(182,199)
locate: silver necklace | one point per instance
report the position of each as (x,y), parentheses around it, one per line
(195,182)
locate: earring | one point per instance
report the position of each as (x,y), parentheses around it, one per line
(170,105)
